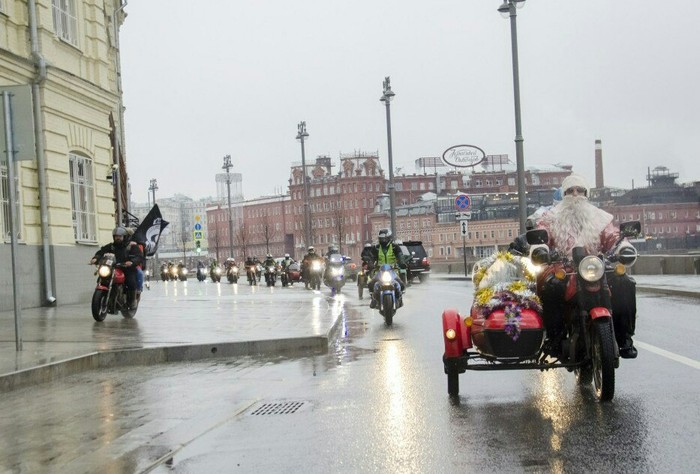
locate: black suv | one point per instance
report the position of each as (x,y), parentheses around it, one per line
(419,264)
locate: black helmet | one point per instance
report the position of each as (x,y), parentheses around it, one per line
(119,230)
(332,249)
(384,236)
(269,255)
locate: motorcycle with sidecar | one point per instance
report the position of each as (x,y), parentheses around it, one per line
(504,329)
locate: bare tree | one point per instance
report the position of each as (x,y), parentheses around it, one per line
(338,215)
(268,233)
(242,238)
(217,244)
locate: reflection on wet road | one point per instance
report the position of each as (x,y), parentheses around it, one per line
(377,402)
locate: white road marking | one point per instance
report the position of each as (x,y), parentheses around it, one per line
(669,355)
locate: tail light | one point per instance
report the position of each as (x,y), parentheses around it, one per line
(426,261)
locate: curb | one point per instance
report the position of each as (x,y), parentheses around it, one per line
(159,355)
(668,291)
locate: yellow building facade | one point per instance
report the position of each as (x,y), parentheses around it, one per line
(66,53)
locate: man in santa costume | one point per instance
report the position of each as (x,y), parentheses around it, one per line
(575,222)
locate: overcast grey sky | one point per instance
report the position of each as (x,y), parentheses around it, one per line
(209,78)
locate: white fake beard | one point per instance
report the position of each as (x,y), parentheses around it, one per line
(577,217)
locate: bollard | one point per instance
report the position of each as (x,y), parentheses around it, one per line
(662,265)
(696,265)
(449,268)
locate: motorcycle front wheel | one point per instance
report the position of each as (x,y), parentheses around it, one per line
(603,359)
(99,305)
(360,286)
(388,309)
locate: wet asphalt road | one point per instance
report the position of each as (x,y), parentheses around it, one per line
(376,403)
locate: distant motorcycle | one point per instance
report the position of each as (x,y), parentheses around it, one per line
(387,292)
(215,274)
(232,274)
(362,279)
(164,273)
(335,273)
(251,274)
(182,274)
(110,295)
(315,271)
(201,274)
(173,273)
(270,275)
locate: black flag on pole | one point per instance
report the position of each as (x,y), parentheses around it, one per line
(150,229)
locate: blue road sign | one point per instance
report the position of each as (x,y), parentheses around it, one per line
(463,201)
(198,226)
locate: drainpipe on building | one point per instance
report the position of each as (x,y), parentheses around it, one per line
(40,64)
(120,126)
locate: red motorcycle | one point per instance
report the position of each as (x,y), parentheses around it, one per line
(110,294)
(504,330)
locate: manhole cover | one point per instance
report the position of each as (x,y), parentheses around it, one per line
(281,408)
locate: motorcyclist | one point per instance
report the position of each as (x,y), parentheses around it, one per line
(572,223)
(128,255)
(306,264)
(141,267)
(368,254)
(286,262)
(269,261)
(386,251)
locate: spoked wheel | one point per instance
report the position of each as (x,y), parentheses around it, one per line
(99,305)
(603,358)
(388,309)
(452,382)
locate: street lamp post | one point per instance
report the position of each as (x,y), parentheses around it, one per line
(227,166)
(386,97)
(507,9)
(301,135)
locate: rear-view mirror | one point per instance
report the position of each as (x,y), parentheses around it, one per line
(537,236)
(630,229)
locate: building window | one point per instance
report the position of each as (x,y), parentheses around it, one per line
(65,22)
(82,198)
(5,203)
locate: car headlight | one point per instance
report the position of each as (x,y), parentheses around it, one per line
(104,271)
(591,268)
(386,278)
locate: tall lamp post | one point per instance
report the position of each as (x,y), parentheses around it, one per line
(507,9)
(227,166)
(302,134)
(386,97)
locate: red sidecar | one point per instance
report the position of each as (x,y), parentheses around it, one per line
(504,329)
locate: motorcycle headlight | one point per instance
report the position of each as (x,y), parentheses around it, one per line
(591,268)
(104,271)
(235,269)
(270,269)
(184,271)
(337,271)
(316,266)
(386,278)
(217,271)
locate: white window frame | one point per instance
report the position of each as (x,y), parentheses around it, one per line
(65,20)
(82,191)
(5,204)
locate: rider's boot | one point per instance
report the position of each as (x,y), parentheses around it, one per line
(131,300)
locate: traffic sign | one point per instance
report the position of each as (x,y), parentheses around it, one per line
(463,228)
(463,201)
(463,216)
(198,235)
(198,226)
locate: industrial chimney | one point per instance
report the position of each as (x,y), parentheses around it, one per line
(599,183)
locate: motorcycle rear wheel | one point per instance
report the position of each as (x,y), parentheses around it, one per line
(99,305)
(603,359)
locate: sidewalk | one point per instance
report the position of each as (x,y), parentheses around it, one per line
(176,321)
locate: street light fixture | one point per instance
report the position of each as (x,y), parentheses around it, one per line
(302,134)
(507,9)
(227,166)
(387,97)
